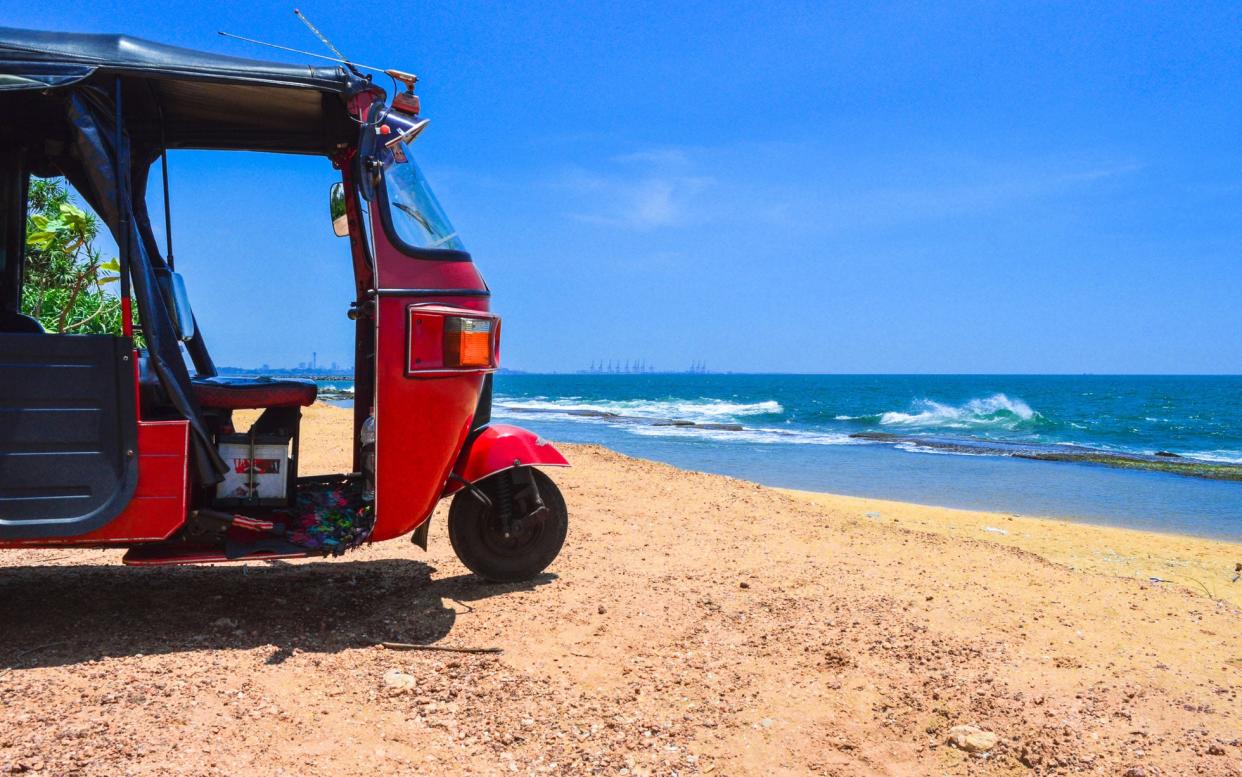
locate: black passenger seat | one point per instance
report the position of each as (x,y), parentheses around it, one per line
(19,323)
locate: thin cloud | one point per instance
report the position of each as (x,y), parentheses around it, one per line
(636,199)
(982,195)
(668,157)
(665,187)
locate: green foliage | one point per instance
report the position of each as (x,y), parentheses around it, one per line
(66,276)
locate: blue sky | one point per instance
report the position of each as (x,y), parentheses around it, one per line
(904,187)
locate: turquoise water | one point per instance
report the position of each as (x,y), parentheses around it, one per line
(795,431)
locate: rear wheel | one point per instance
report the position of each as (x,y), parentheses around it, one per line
(515,537)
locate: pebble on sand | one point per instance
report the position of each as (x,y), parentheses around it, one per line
(972,739)
(395,678)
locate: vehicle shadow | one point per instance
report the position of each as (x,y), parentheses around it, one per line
(60,615)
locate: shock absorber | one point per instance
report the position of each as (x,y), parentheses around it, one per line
(504,503)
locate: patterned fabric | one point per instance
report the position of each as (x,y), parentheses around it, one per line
(331,517)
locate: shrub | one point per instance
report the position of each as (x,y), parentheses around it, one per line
(66,276)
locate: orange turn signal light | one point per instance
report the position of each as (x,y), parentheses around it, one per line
(467,342)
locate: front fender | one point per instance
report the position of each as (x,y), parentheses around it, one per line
(497,448)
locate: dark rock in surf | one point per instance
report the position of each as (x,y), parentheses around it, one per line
(694,425)
(590,413)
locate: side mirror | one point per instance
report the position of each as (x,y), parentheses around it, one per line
(178,302)
(408,134)
(336,207)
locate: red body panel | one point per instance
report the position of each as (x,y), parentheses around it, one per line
(500,447)
(159,505)
(398,271)
(421,423)
(421,420)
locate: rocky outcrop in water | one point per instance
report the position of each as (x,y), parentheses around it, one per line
(1163,461)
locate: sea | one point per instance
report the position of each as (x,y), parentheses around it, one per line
(963,441)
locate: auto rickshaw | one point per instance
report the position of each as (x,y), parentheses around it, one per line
(105,443)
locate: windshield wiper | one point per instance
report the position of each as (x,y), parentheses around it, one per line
(413,213)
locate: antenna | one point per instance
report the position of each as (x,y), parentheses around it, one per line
(325,41)
(347,63)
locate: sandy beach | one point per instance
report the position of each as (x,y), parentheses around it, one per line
(693,624)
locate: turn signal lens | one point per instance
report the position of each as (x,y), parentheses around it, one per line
(467,342)
(444,338)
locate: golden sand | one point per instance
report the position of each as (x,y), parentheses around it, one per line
(1201,565)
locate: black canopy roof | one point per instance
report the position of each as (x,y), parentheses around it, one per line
(188,98)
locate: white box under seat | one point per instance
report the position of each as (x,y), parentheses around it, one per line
(259,467)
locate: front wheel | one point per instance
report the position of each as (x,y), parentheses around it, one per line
(515,531)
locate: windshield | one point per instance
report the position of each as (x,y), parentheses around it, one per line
(415,213)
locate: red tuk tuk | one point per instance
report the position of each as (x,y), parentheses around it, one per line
(105,444)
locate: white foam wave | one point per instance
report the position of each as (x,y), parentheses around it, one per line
(996,411)
(913,447)
(1216,456)
(699,411)
(702,410)
(752,436)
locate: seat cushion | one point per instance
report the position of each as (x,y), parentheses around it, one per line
(18,323)
(242,393)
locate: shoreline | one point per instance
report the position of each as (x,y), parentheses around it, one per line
(1079,491)
(1202,565)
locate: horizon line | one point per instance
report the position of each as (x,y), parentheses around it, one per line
(588,373)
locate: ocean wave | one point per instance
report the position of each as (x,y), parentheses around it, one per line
(913,447)
(997,412)
(1216,456)
(751,436)
(701,410)
(642,417)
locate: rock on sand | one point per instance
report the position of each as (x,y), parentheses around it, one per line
(972,739)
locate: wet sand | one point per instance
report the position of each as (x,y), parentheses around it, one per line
(694,623)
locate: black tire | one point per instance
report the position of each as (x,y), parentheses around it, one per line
(479,542)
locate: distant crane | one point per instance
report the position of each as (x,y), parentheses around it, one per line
(620,367)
